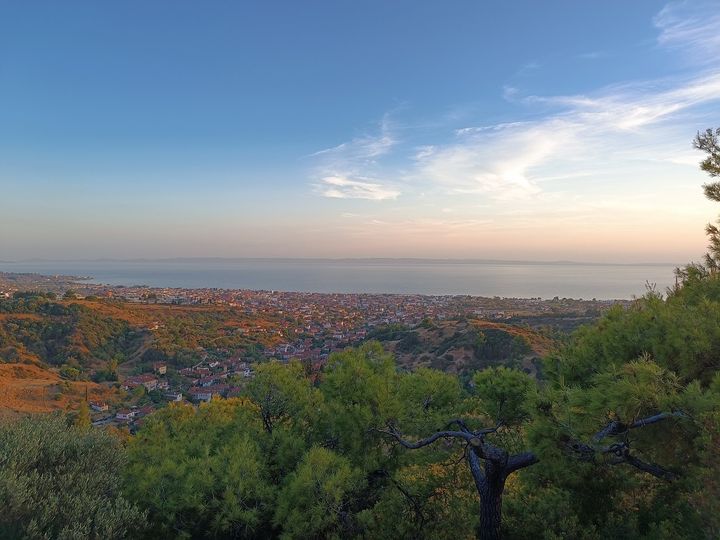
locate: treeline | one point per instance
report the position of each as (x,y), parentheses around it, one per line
(481,348)
(38,325)
(56,333)
(180,336)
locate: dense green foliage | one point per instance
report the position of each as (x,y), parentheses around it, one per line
(34,323)
(311,457)
(299,459)
(199,474)
(466,349)
(58,481)
(488,347)
(179,336)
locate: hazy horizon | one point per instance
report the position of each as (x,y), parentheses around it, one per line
(510,279)
(331,130)
(450,260)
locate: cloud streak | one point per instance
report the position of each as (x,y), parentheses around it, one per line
(505,161)
(570,138)
(345,171)
(338,187)
(692,27)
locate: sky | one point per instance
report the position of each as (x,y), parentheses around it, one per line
(521,130)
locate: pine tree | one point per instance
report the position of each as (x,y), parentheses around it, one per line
(83,420)
(709,142)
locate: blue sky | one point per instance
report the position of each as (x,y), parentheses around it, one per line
(521,130)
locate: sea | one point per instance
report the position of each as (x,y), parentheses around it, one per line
(514,279)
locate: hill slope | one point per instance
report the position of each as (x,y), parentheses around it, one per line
(462,346)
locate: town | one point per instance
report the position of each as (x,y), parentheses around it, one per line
(281,325)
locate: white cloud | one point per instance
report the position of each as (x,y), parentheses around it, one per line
(493,127)
(338,187)
(361,148)
(571,137)
(508,160)
(342,170)
(692,26)
(487,162)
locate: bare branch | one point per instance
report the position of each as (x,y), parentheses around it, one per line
(428,440)
(613,428)
(520,461)
(584,451)
(618,428)
(657,418)
(620,451)
(417,507)
(478,433)
(476,470)
(650,468)
(489,465)
(621,454)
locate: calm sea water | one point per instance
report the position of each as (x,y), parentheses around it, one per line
(509,279)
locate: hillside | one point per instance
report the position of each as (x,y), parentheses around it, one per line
(39,327)
(462,346)
(176,332)
(31,388)
(50,348)
(54,352)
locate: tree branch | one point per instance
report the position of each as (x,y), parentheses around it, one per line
(621,453)
(618,428)
(520,461)
(621,450)
(657,418)
(650,468)
(613,428)
(478,433)
(476,470)
(428,440)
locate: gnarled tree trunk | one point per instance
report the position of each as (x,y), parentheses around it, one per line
(491,512)
(490,466)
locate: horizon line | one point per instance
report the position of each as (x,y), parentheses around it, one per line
(344,259)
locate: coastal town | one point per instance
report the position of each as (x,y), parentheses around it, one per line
(281,325)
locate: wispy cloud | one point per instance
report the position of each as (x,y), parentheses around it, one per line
(507,161)
(692,26)
(342,171)
(486,161)
(570,137)
(339,187)
(359,149)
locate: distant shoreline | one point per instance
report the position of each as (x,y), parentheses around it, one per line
(358,260)
(373,276)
